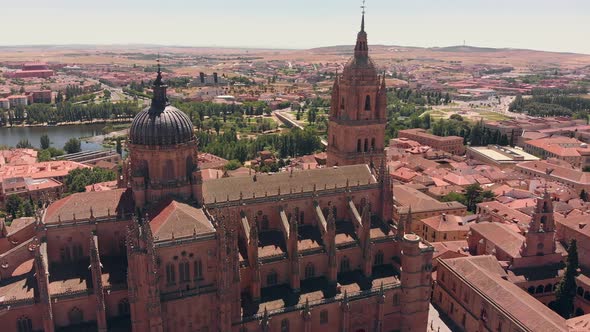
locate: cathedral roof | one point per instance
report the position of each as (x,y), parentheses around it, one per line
(98,203)
(173,219)
(268,184)
(160,123)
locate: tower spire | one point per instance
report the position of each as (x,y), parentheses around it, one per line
(361,50)
(363,17)
(160,100)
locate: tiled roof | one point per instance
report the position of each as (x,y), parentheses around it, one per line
(268,184)
(173,219)
(406,196)
(501,236)
(102,203)
(485,274)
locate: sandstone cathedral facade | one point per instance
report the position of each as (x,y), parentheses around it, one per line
(295,251)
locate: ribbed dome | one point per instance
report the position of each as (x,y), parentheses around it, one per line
(163,127)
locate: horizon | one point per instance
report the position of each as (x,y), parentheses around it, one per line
(524,24)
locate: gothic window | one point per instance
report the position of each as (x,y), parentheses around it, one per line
(367,103)
(540,289)
(531,290)
(24,324)
(272,278)
(373,143)
(65,255)
(463,320)
(324,317)
(309,271)
(77,252)
(76,316)
(344,264)
(366,144)
(358,145)
(264,222)
(198,269)
(378,258)
(548,288)
(168,171)
(342,104)
(580,291)
(184,272)
(124,307)
(301,218)
(285,325)
(334,140)
(396,299)
(170,273)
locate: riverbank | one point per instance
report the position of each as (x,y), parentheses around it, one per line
(73,123)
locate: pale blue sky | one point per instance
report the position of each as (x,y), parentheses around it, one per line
(557,25)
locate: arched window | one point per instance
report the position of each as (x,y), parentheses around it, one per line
(342,104)
(540,289)
(272,278)
(170,274)
(124,307)
(373,144)
(168,171)
(309,271)
(396,299)
(334,140)
(24,324)
(344,264)
(77,252)
(184,271)
(285,325)
(378,258)
(198,269)
(531,290)
(358,145)
(301,218)
(548,288)
(367,103)
(324,317)
(366,144)
(265,222)
(65,254)
(76,316)
(586,295)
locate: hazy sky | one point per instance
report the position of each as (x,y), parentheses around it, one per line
(557,25)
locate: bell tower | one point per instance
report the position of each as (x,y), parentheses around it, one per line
(356,127)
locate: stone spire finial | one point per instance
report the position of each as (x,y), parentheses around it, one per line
(159,100)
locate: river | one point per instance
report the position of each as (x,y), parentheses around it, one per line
(58,135)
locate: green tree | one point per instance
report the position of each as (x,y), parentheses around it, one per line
(456,117)
(24,144)
(43,155)
(565,291)
(26,209)
(44,142)
(13,204)
(78,179)
(473,196)
(73,146)
(232,165)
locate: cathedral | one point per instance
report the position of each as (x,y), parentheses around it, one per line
(294,251)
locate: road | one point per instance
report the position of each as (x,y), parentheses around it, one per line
(436,323)
(288,121)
